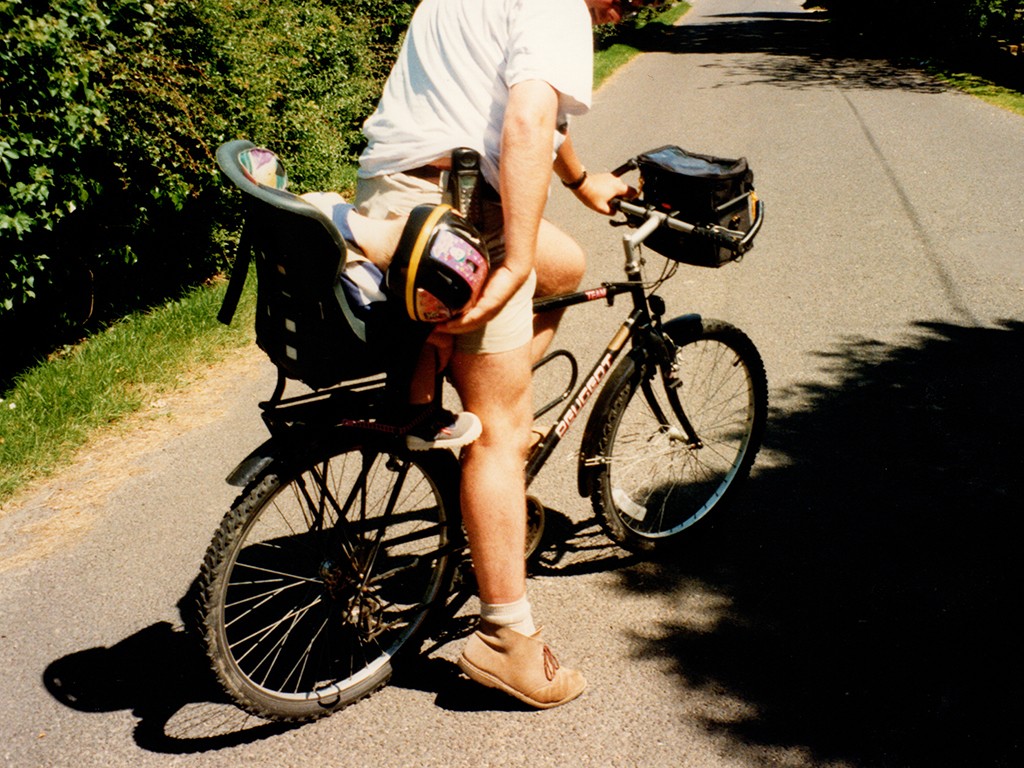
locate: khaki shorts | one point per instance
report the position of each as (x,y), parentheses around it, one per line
(395,195)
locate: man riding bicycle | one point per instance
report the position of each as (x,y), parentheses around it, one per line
(501,77)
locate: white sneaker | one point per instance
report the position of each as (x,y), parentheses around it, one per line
(444,429)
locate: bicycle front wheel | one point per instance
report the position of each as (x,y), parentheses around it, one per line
(321,575)
(667,455)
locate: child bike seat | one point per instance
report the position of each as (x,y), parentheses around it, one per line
(305,321)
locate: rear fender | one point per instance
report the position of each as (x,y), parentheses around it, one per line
(297,446)
(252,465)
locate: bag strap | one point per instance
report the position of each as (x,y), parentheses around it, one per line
(238,274)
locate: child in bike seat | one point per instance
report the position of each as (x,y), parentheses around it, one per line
(433,262)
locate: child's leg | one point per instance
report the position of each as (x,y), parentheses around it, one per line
(376,238)
(433,426)
(433,359)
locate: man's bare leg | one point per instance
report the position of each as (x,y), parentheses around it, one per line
(499,655)
(560,265)
(496,387)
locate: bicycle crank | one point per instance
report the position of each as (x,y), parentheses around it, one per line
(534,525)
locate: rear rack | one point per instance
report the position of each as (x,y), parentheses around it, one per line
(356,401)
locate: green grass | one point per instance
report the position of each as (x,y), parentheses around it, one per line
(610,59)
(984,89)
(53,409)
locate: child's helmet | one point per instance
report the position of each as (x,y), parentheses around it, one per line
(440,266)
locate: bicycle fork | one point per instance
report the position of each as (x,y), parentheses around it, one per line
(655,349)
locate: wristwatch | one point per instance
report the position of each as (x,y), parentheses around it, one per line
(577,183)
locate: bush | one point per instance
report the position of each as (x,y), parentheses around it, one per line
(110,112)
(927,23)
(51,109)
(1002,18)
(110,115)
(305,75)
(607,35)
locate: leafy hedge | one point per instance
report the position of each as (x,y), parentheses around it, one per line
(933,22)
(110,112)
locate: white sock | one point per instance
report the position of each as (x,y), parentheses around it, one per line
(517,616)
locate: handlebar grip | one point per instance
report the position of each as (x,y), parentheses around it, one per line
(716,235)
(626,167)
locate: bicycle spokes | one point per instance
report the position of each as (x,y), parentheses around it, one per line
(674,452)
(334,569)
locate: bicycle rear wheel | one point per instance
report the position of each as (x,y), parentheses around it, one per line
(322,574)
(669,456)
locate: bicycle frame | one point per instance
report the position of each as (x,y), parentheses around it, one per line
(645,318)
(579,398)
(361,398)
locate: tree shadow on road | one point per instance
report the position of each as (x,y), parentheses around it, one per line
(866,583)
(803,50)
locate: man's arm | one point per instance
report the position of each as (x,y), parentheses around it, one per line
(525,174)
(597,189)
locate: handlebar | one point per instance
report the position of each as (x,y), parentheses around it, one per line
(734,240)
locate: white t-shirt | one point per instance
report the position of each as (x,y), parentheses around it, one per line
(450,85)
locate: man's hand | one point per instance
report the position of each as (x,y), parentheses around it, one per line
(500,287)
(599,189)
(525,171)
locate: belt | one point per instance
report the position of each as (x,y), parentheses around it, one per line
(429,173)
(432,174)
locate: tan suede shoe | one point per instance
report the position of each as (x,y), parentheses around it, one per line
(521,666)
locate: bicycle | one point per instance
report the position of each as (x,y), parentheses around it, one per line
(343,544)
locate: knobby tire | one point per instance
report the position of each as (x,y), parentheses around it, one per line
(653,483)
(321,575)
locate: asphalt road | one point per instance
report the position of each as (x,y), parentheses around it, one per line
(853,610)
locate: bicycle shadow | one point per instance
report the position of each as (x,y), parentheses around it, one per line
(162,679)
(865,581)
(576,548)
(160,675)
